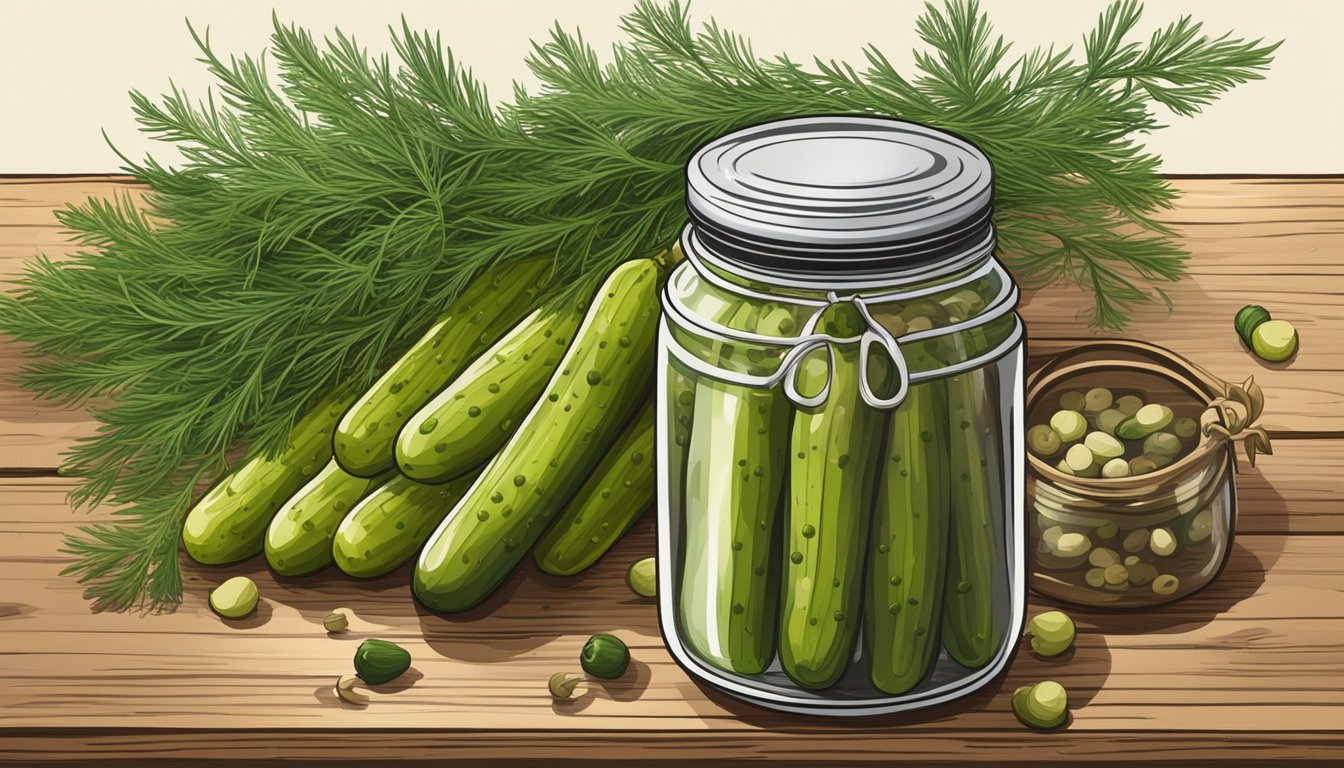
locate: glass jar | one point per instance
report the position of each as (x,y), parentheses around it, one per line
(1150,538)
(840,404)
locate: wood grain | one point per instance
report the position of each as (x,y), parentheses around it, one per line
(1247,671)
(131,748)
(1275,243)
(1252,241)
(1255,653)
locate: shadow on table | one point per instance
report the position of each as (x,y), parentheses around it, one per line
(1241,578)
(512,622)
(1082,670)
(1261,510)
(629,687)
(326,694)
(530,609)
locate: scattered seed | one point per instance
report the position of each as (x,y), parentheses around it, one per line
(335,622)
(562,685)
(345,689)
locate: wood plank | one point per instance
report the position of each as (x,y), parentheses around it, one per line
(33,433)
(1253,655)
(1248,670)
(1305,394)
(1299,489)
(1254,241)
(132,748)
(1297,405)
(27,221)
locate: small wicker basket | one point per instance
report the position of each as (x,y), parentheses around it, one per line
(1127,522)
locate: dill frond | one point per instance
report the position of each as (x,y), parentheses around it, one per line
(315,228)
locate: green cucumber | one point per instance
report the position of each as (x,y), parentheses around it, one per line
(612,499)
(365,441)
(391,524)
(467,423)
(836,454)
(906,562)
(602,380)
(298,540)
(728,581)
(971,634)
(228,524)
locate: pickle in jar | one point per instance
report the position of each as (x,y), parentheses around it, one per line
(972,632)
(835,453)
(906,568)
(734,481)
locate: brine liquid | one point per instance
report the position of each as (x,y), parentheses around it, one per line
(727,519)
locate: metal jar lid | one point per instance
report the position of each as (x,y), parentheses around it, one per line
(839,195)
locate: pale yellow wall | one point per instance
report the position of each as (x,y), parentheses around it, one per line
(65,66)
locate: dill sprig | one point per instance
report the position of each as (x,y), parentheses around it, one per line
(314,229)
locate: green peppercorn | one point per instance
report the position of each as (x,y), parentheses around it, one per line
(378,661)
(1073,400)
(1128,404)
(1043,440)
(1052,632)
(1274,341)
(235,598)
(642,577)
(1044,705)
(1248,319)
(605,656)
(1070,425)
(1271,340)
(1097,400)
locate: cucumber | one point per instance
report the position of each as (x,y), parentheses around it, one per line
(365,441)
(229,523)
(970,633)
(728,582)
(391,524)
(298,540)
(467,423)
(836,451)
(602,379)
(907,557)
(612,499)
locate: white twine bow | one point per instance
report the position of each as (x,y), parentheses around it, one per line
(874,333)
(810,340)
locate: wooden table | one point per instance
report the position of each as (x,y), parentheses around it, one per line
(1250,669)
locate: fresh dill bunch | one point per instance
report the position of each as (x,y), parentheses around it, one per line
(313,230)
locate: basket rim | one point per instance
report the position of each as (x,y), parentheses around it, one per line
(1127,356)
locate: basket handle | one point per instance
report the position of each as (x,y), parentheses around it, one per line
(1088,349)
(1233,409)
(1234,415)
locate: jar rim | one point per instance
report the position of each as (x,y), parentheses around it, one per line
(704,252)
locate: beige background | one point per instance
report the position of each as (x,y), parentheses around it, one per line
(65,66)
